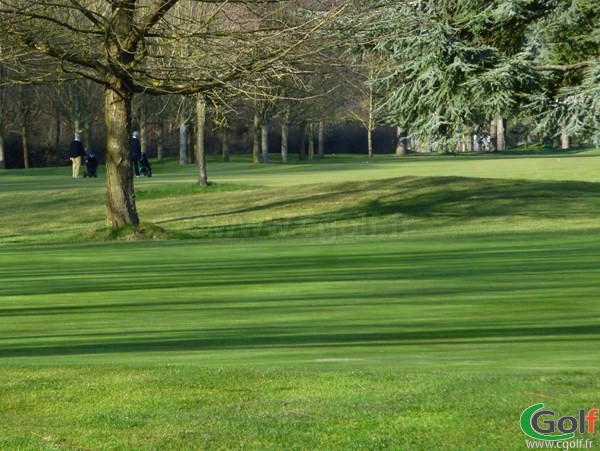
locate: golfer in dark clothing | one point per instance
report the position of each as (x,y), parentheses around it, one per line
(76,154)
(91,164)
(135,148)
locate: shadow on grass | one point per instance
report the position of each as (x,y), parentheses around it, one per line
(477,198)
(144,231)
(288,337)
(369,264)
(433,202)
(541,150)
(281,204)
(281,288)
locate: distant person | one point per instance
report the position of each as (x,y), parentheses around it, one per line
(76,154)
(135,148)
(91,163)
(145,168)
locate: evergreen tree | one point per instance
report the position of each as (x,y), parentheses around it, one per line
(452,66)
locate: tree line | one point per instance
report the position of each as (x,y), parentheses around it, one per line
(448,76)
(39,126)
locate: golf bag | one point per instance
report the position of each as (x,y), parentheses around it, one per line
(145,168)
(91,165)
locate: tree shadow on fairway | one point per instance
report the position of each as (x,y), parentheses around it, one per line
(249,338)
(544,152)
(467,198)
(201,273)
(411,203)
(287,204)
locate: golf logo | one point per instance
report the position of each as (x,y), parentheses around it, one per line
(542,424)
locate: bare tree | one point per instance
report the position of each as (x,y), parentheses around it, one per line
(2,116)
(121,45)
(362,101)
(25,112)
(82,104)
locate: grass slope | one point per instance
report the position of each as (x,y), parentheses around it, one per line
(420,312)
(408,206)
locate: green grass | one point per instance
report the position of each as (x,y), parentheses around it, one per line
(418,307)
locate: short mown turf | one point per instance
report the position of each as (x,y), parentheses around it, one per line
(408,313)
(513,301)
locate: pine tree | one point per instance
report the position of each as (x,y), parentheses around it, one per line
(450,67)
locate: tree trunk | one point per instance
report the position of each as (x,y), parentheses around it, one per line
(57,136)
(183,143)
(200,123)
(311,141)
(144,135)
(321,146)
(285,130)
(256,138)
(120,204)
(400,142)
(160,151)
(370,123)
(494,135)
(565,141)
(2,160)
(264,131)
(191,143)
(143,124)
(25,146)
(78,117)
(2,111)
(225,143)
(302,143)
(466,141)
(501,134)
(87,136)
(77,127)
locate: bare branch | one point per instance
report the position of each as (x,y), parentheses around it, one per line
(564,68)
